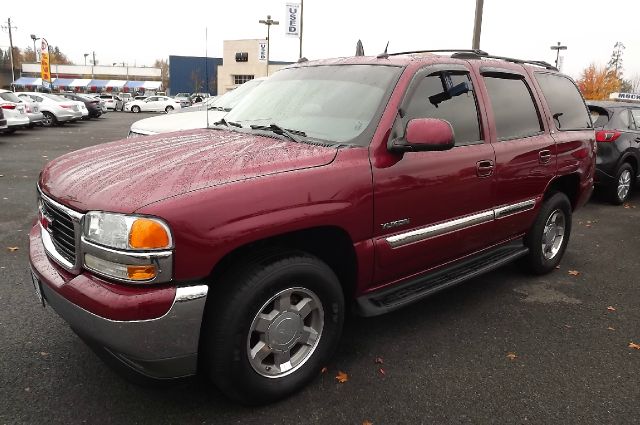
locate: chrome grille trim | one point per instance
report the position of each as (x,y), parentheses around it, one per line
(62,247)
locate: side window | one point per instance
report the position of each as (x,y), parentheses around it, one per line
(635,114)
(39,99)
(513,107)
(430,100)
(565,102)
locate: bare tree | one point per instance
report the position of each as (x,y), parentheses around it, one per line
(197,80)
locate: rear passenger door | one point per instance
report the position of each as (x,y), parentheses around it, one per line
(525,151)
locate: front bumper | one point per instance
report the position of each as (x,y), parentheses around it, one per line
(154,331)
(35,117)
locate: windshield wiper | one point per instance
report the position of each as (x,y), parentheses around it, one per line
(275,128)
(227,123)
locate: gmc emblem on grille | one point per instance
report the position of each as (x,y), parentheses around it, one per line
(45,219)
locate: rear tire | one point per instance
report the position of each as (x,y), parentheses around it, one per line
(548,238)
(621,189)
(168,109)
(271,323)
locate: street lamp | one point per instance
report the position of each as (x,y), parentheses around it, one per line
(557,49)
(85,58)
(268,22)
(35,52)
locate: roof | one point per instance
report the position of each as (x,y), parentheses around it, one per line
(404,59)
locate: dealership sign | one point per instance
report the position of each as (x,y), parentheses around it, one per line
(292,24)
(635,97)
(262,50)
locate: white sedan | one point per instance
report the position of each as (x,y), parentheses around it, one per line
(153,104)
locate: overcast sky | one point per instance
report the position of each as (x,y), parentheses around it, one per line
(142,31)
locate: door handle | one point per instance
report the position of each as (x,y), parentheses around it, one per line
(484,168)
(544,156)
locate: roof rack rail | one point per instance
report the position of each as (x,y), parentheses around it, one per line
(470,55)
(477,54)
(476,51)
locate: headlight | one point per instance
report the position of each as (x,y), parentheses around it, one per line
(128,248)
(126,232)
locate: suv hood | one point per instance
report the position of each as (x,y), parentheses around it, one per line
(176,122)
(126,175)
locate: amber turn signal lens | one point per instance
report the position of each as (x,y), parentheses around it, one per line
(148,234)
(141,272)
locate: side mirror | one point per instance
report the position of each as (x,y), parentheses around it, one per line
(425,134)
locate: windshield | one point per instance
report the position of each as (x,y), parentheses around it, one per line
(230,99)
(334,103)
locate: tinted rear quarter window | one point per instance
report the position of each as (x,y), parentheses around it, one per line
(565,102)
(514,110)
(599,116)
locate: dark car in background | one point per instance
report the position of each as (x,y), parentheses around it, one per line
(617,126)
(93,105)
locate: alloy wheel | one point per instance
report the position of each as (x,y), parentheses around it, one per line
(624,184)
(553,234)
(285,332)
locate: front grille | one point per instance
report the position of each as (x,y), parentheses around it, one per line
(62,231)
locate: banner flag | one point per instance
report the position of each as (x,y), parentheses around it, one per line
(292,26)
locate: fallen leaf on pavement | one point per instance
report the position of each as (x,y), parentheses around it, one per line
(588,225)
(12,248)
(367,423)
(342,377)
(568,326)
(27,389)
(634,345)
(324,370)
(43,354)
(558,267)
(382,372)
(611,328)
(512,356)
(627,206)
(574,272)
(379,360)
(611,308)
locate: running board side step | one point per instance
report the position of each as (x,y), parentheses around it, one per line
(397,296)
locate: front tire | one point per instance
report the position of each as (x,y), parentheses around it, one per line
(48,119)
(548,238)
(271,325)
(621,190)
(135,109)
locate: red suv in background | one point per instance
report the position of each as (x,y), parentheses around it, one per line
(369,182)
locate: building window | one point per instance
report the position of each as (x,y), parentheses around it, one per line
(241,79)
(242,57)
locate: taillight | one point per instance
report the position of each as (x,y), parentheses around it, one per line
(607,135)
(8,106)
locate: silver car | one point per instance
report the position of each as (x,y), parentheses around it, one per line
(55,109)
(31,108)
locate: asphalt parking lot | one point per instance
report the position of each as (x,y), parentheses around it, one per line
(503,348)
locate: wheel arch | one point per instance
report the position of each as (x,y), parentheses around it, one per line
(331,244)
(569,184)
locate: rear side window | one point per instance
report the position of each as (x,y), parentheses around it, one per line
(599,116)
(430,101)
(564,100)
(514,110)
(635,114)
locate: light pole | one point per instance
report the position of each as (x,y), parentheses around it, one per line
(9,27)
(477,25)
(557,49)
(35,52)
(85,58)
(268,22)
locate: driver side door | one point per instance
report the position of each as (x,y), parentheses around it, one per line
(150,104)
(435,207)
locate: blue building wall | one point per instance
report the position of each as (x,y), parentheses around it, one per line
(183,68)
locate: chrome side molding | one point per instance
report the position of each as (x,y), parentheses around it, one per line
(454,225)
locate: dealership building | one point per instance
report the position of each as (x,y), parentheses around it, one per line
(242,60)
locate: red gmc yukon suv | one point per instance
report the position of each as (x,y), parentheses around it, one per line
(364,183)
